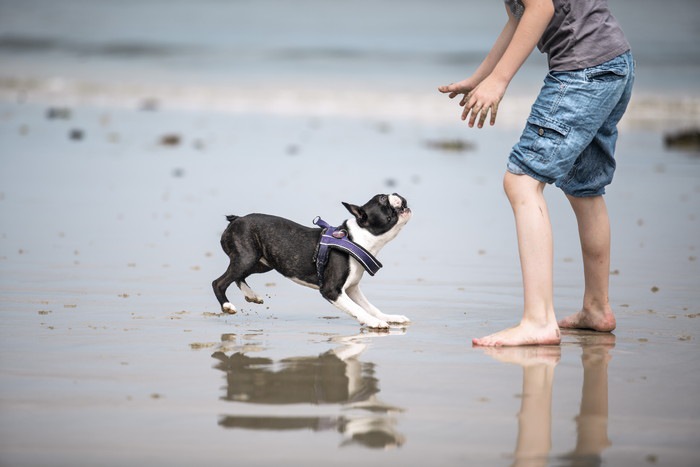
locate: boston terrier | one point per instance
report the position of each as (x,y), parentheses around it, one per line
(259,243)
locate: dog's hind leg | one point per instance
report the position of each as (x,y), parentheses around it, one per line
(238,274)
(221,284)
(250,295)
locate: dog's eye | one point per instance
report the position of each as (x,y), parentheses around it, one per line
(383,198)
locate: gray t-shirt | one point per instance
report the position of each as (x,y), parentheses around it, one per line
(582,33)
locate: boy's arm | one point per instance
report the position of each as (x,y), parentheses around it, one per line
(487,94)
(487,65)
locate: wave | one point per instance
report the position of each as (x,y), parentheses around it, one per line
(646,110)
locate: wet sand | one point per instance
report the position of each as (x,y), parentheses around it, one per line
(126,138)
(113,350)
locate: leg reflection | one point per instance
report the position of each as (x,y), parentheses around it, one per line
(535,417)
(592,421)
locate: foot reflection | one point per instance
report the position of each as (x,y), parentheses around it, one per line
(335,378)
(535,417)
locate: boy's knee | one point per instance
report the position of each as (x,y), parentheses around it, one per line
(518,187)
(510,182)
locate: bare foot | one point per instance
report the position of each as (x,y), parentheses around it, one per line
(522,334)
(601,321)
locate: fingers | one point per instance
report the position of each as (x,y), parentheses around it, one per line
(476,105)
(468,103)
(494,111)
(445,89)
(477,113)
(472,108)
(452,89)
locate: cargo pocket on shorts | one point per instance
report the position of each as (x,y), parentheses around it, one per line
(545,136)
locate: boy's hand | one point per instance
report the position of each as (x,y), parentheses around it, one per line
(478,98)
(463,87)
(482,100)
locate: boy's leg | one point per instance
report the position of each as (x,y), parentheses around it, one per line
(594,232)
(538,324)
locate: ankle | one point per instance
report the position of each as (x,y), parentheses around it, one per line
(546,321)
(596,306)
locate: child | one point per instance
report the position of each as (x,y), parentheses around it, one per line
(569,140)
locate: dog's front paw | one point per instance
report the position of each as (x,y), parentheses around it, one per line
(397,319)
(376,324)
(228,308)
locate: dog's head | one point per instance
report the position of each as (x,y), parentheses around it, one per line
(381,216)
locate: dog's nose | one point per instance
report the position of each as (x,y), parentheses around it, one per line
(397,200)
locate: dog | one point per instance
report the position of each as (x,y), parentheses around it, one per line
(258,243)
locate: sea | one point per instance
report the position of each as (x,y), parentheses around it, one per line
(384,46)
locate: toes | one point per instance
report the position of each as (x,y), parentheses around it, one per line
(484,342)
(228,308)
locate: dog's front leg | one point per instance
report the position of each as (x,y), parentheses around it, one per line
(345,303)
(358,297)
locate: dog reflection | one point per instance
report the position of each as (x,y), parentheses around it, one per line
(535,416)
(336,377)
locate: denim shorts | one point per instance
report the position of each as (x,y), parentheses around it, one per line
(570,135)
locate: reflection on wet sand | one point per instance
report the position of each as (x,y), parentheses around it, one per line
(336,377)
(534,441)
(592,421)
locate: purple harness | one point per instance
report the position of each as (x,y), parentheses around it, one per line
(333,237)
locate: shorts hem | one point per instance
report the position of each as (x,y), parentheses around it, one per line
(588,194)
(517,169)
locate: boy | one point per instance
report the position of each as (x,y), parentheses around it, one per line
(569,140)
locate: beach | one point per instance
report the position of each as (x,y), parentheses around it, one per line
(124,143)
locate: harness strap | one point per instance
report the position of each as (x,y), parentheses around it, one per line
(335,238)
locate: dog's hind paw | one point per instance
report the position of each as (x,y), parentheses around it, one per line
(228,308)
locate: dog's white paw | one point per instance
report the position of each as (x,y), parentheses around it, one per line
(397,319)
(376,324)
(228,308)
(254,299)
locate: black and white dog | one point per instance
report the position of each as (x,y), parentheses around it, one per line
(259,243)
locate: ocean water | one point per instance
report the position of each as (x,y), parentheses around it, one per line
(386,45)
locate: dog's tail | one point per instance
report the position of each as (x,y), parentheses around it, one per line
(226,235)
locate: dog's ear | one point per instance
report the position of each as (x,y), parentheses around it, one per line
(356,211)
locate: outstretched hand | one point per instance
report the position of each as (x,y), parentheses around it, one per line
(455,89)
(478,100)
